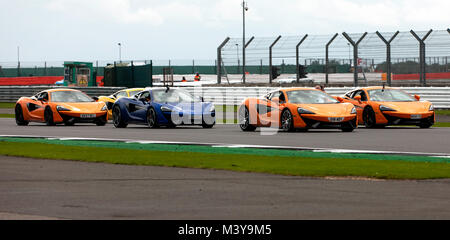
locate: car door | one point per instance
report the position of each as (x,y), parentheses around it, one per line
(36,106)
(263,109)
(275,106)
(138,106)
(359,105)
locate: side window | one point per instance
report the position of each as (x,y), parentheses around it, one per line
(44,95)
(145,95)
(37,95)
(360,93)
(282,97)
(349,94)
(121,94)
(274,95)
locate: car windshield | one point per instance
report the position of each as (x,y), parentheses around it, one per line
(310,97)
(172,96)
(390,95)
(70,96)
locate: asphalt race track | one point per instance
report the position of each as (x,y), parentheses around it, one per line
(51,189)
(400,139)
(32,188)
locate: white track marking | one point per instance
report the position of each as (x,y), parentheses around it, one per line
(318,150)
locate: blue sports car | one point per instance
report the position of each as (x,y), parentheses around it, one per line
(163,107)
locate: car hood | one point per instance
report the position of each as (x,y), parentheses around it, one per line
(331,109)
(83,107)
(408,107)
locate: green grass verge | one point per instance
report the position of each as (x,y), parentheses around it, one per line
(442,112)
(284,165)
(7,105)
(442,124)
(5,115)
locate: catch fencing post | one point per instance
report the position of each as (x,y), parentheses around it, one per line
(297,57)
(355,55)
(270,58)
(245,47)
(388,56)
(422,67)
(219,60)
(326,57)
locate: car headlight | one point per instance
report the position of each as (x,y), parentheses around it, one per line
(61,108)
(165,109)
(353,111)
(213,108)
(104,108)
(431,108)
(304,111)
(384,108)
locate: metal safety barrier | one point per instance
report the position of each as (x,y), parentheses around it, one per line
(439,96)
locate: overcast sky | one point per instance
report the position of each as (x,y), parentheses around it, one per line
(58,30)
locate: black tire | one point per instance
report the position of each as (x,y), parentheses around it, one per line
(245,116)
(171,125)
(48,117)
(152,120)
(287,121)
(117,118)
(347,129)
(100,121)
(350,126)
(19,116)
(369,118)
(205,125)
(426,123)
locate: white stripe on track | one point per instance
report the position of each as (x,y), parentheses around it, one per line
(318,150)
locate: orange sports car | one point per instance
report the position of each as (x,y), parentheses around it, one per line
(382,106)
(66,106)
(297,108)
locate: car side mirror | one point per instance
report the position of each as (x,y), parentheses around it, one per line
(358,98)
(417,97)
(340,99)
(95,99)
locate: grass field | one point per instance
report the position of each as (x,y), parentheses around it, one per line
(253,160)
(443,112)
(5,115)
(7,105)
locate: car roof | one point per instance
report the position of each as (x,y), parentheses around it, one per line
(133,89)
(296,88)
(61,89)
(374,88)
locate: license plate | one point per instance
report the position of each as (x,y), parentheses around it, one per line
(335,119)
(416,116)
(87,116)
